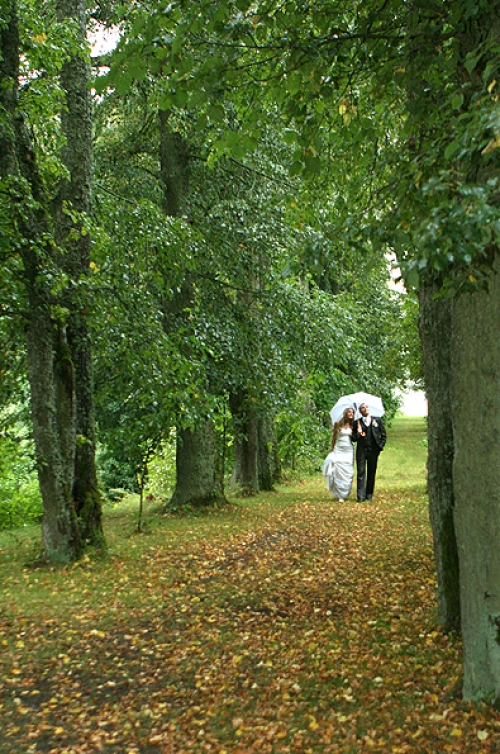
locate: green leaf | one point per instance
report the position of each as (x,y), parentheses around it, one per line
(216,113)
(312,163)
(124,82)
(412,278)
(451,149)
(176,45)
(471,61)
(179,98)
(290,136)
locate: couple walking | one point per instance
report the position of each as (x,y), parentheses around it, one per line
(369,435)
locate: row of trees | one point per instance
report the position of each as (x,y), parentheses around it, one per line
(254,163)
(162,284)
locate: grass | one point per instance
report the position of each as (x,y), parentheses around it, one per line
(285,623)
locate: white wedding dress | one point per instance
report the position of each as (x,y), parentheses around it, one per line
(338,466)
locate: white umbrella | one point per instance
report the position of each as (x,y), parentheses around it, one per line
(354,400)
(337,411)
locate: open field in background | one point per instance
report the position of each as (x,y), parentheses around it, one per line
(285,623)
(402,464)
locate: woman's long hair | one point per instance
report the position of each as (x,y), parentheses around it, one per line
(338,425)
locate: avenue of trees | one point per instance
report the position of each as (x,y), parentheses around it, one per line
(194,238)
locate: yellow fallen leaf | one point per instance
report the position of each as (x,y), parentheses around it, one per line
(482,735)
(156,739)
(492,144)
(456,732)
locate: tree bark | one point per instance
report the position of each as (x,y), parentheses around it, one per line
(50,371)
(50,375)
(75,194)
(245,473)
(476,478)
(196,480)
(269,462)
(476,417)
(435,335)
(174,166)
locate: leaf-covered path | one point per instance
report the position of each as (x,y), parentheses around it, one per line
(291,625)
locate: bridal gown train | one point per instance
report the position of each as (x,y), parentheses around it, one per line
(338,466)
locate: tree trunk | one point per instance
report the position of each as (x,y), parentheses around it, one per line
(246,445)
(196,481)
(476,413)
(476,478)
(50,375)
(174,167)
(50,371)
(435,335)
(269,463)
(423,46)
(76,123)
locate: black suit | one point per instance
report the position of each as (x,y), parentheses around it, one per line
(370,441)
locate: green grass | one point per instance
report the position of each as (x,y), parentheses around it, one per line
(402,464)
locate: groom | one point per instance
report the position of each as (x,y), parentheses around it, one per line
(369,433)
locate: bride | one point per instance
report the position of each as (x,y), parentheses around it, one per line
(338,466)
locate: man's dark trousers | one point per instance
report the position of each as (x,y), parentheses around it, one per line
(367,454)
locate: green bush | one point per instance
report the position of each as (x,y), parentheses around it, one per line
(304,441)
(20,499)
(161,471)
(115,471)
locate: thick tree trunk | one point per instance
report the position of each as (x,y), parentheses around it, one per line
(76,123)
(435,334)
(476,419)
(476,477)
(50,371)
(50,375)
(269,462)
(245,473)
(196,481)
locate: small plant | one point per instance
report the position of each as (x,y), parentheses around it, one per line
(20,499)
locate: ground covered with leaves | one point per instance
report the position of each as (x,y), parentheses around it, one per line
(290,623)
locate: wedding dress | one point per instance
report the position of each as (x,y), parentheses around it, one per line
(338,466)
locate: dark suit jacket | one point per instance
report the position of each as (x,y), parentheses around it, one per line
(378,432)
